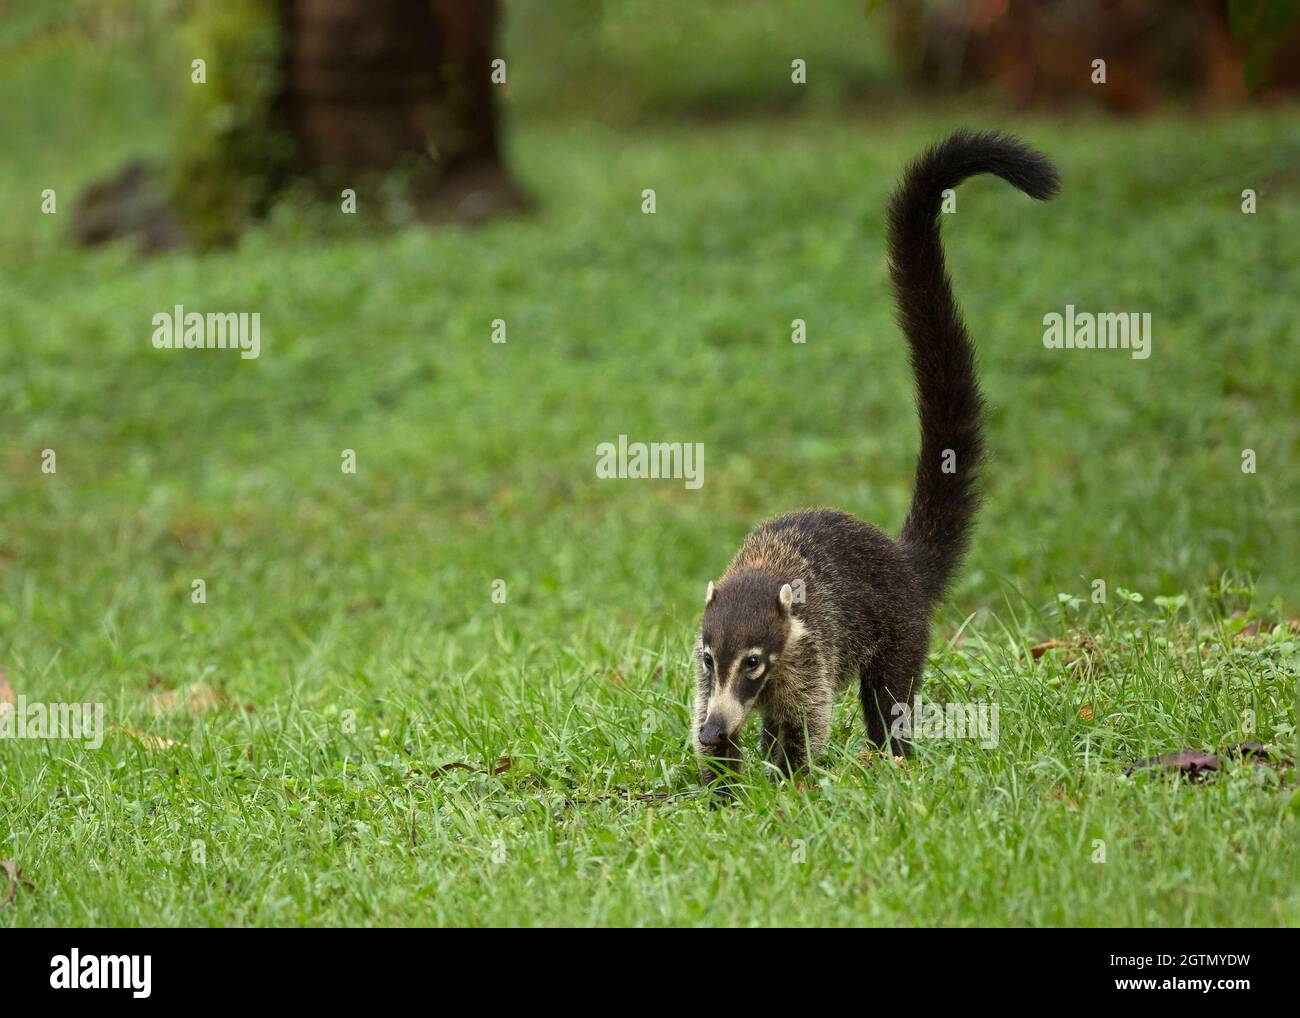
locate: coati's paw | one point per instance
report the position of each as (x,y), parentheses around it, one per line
(719,784)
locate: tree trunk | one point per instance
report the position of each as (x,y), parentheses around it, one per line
(373,85)
(339,92)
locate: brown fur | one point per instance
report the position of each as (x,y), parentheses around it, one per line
(867,602)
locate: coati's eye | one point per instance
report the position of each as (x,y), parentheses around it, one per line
(752,662)
(708,661)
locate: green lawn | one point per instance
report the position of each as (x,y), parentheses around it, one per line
(350,629)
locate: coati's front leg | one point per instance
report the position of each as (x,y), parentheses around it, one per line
(719,767)
(769,742)
(796,726)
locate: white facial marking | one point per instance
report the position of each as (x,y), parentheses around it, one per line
(723,702)
(728,710)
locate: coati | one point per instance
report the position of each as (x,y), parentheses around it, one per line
(867,599)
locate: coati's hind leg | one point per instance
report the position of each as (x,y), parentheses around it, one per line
(882,691)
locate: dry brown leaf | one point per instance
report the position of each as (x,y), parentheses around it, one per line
(499,766)
(1191,762)
(16,877)
(196,698)
(1195,763)
(1085,712)
(1039,649)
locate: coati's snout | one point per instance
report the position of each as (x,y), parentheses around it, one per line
(747,624)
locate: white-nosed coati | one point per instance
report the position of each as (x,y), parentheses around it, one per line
(867,599)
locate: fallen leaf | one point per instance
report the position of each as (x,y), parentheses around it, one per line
(196,698)
(1192,762)
(499,766)
(1255,750)
(1039,649)
(1085,712)
(1195,763)
(15,878)
(445,768)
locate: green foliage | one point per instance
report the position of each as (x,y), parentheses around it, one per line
(632,60)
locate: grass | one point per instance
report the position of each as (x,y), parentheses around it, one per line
(350,648)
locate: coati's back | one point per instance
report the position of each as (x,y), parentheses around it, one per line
(861,595)
(864,601)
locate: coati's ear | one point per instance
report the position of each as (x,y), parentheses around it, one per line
(708,597)
(786,597)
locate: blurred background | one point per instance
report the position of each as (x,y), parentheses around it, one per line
(200,153)
(407,91)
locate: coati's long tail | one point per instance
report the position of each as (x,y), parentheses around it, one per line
(948,396)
